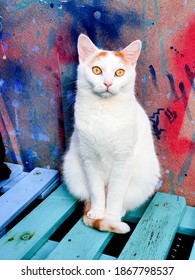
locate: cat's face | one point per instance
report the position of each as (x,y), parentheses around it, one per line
(107,72)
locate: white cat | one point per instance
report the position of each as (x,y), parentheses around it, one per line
(111,163)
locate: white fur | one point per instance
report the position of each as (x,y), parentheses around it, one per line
(111,161)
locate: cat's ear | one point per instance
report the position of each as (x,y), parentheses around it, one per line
(132,51)
(85,47)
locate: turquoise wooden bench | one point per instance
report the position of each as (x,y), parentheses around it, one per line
(156,223)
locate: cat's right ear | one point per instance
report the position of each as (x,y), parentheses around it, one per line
(85,47)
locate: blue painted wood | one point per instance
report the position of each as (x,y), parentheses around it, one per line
(16,170)
(28,236)
(52,187)
(192,255)
(135,215)
(23,193)
(13,182)
(104,257)
(154,234)
(45,250)
(2,232)
(187,225)
(81,243)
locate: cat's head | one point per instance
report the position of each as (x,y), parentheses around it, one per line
(107,73)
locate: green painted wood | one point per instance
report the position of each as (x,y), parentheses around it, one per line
(81,243)
(192,255)
(16,169)
(13,182)
(135,215)
(187,225)
(23,240)
(154,234)
(45,250)
(105,257)
(23,193)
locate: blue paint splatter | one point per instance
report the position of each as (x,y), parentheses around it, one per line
(185,100)
(35,49)
(17,86)
(187,162)
(172,85)
(153,74)
(161,43)
(190,75)
(149,22)
(98,17)
(144,89)
(40,137)
(15,103)
(155,119)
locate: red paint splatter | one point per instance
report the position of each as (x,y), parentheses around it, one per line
(183,63)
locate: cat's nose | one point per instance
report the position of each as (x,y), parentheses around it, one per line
(107,84)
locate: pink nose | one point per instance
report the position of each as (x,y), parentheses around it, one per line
(107,84)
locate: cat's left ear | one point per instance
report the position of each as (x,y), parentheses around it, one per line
(132,51)
(85,47)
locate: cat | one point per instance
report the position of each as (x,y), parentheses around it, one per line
(111,163)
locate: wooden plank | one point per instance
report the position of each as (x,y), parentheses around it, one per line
(23,240)
(13,182)
(16,170)
(49,190)
(81,243)
(135,215)
(154,234)
(187,225)
(2,232)
(192,255)
(45,250)
(23,193)
(106,257)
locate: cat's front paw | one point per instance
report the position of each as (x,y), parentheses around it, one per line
(95,214)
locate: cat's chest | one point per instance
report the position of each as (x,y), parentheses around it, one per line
(104,133)
(100,126)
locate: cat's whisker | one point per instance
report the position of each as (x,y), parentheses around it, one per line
(70,83)
(70,105)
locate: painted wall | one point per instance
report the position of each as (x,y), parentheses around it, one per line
(38,62)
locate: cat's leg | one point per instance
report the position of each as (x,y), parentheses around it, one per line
(97,191)
(117,188)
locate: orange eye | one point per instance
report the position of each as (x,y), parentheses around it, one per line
(97,70)
(119,72)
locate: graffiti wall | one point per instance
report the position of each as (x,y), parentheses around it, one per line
(38,60)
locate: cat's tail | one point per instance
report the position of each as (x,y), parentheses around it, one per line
(104,224)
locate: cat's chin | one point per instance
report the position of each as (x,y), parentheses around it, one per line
(104,94)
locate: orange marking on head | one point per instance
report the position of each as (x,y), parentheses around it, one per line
(121,55)
(102,53)
(99,55)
